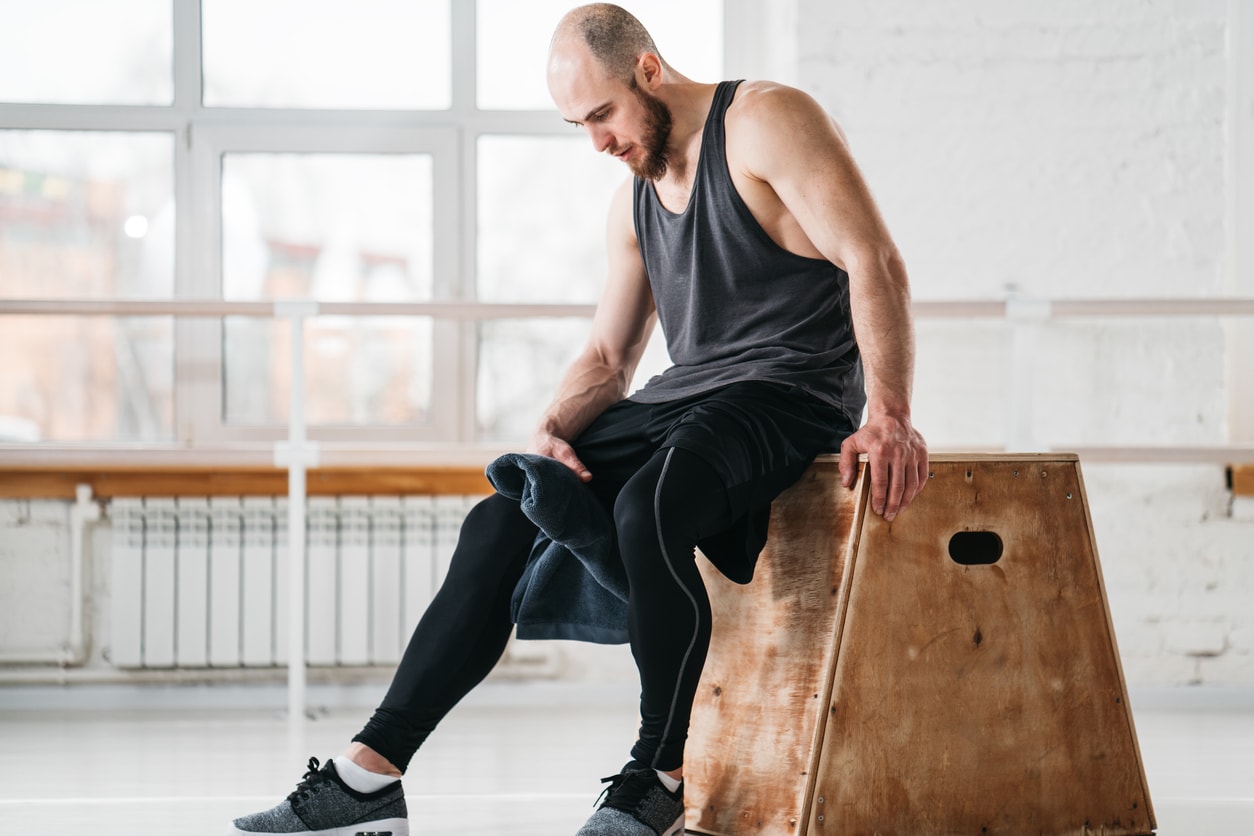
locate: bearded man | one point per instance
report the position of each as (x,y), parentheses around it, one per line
(748,233)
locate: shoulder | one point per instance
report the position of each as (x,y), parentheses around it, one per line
(765,106)
(769,122)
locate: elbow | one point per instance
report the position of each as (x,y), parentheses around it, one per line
(880,263)
(615,367)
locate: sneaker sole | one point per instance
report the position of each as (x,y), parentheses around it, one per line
(383,827)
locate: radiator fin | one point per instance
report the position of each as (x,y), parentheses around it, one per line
(199,583)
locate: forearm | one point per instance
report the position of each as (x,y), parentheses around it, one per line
(880,299)
(590,386)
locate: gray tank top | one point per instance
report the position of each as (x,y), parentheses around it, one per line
(733,304)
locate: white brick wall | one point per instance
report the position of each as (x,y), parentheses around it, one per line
(1074,149)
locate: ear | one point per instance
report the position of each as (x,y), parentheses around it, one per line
(649,71)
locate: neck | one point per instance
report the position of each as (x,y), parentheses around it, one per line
(690,104)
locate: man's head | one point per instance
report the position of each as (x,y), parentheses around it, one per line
(603,71)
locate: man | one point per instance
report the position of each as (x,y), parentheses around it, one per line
(748,232)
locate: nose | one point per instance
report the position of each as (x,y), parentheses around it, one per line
(601,138)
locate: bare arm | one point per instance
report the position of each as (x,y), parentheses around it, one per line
(600,375)
(793,146)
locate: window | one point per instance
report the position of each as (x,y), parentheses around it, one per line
(88,52)
(86,215)
(258,150)
(380,54)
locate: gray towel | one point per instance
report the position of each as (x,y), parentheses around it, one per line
(574,586)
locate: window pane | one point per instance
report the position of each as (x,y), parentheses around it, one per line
(358,370)
(87,378)
(87,52)
(387,54)
(513,45)
(86,214)
(520,363)
(543,203)
(332,227)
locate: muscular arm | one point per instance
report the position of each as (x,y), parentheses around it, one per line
(600,375)
(791,145)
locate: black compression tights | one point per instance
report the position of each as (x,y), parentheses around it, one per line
(661,512)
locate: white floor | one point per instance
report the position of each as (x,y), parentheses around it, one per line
(522,760)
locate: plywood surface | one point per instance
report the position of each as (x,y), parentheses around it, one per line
(981,699)
(1242,479)
(757,715)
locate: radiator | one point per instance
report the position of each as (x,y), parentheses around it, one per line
(202,583)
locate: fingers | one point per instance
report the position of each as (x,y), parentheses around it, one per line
(565,454)
(907,475)
(849,461)
(556,448)
(878,467)
(896,464)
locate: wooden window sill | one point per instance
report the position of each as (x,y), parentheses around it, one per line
(34,482)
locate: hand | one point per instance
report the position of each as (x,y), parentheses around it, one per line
(547,444)
(896,457)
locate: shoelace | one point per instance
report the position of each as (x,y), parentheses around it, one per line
(623,792)
(310,782)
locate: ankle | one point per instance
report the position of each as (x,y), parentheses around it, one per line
(370,760)
(671,779)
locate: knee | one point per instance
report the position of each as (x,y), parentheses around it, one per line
(492,532)
(634,516)
(636,522)
(650,532)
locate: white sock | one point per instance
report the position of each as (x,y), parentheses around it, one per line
(360,778)
(670,783)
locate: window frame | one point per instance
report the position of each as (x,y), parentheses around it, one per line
(201,398)
(201,134)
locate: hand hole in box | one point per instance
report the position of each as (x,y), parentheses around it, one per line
(975,548)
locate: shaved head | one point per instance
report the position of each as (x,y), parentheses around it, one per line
(611,34)
(599,77)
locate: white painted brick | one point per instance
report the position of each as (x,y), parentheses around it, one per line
(1227,669)
(1141,639)
(1161,670)
(1018,141)
(1197,638)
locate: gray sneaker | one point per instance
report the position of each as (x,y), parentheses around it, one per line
(323,805)
(636,804)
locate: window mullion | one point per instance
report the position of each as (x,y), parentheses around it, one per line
(187,52)
(194,207)
(465,47)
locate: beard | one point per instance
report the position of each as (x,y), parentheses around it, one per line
(654,158)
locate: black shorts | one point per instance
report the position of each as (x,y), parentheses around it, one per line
(759,436)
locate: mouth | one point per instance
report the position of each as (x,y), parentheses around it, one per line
(625,154)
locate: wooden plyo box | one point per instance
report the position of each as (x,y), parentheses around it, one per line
(951,672)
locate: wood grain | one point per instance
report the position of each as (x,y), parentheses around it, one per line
(51,483)
(1242,479)
(980,699)
(759,708)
